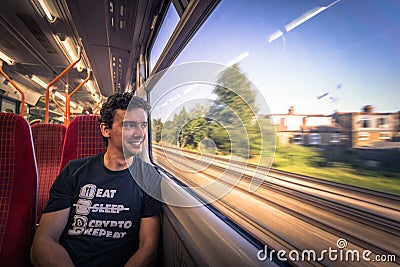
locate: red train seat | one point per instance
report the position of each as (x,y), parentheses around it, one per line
(48,140)
(82,139)
(18,190)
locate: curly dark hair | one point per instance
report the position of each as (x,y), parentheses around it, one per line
(122,101)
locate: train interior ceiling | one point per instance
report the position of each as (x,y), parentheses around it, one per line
(39,40)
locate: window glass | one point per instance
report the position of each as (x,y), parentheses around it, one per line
(383,123)
(281,85)
(365,123)
(384,135)
(298,139)
(260,76)
(8,106)
(167,28)
(335,138)
(315,139)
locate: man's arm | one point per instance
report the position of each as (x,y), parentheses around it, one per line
(46,251)
(148,242)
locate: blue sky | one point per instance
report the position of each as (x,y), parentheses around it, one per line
(351,51)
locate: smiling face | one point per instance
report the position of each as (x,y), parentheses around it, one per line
(128,131)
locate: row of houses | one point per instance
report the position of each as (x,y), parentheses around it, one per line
(366,128)
(373,136)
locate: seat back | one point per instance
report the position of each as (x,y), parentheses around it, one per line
(18,190)
(82,139)
(48,140)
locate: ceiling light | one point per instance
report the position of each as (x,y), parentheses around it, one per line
(6,58)
(96,98)
(275,36)
(298,21)
(73,104)
(39,81)
(237,59)
(90,86)
(46,10)
(306,16)
(93,90)
(70,51)
(57,94)
(62,97)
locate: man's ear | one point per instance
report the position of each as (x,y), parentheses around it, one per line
(105,131)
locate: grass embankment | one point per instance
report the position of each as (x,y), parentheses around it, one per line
(335,166)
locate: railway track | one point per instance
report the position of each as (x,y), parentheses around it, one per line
(308,213)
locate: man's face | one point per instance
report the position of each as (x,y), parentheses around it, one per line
(129,131)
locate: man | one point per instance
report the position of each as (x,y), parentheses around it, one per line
(98,214)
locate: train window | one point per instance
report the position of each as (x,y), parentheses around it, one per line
(382,123)
(8,105)
(335,138)
(166,30)
(315,139)
(319,58)
(220,119)
(298,139)
(384,135)
(365,123)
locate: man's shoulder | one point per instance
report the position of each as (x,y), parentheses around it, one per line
(148,178)
(86,161)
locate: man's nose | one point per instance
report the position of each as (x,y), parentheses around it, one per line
(138,131)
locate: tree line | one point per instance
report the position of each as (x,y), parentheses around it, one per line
(230,126)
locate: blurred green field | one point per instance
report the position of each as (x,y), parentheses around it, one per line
(340,167)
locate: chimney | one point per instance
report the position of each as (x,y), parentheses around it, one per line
(291,110)
(368,108)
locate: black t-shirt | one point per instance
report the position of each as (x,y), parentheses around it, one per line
(106,208)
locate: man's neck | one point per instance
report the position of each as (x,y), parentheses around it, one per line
(116,161)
